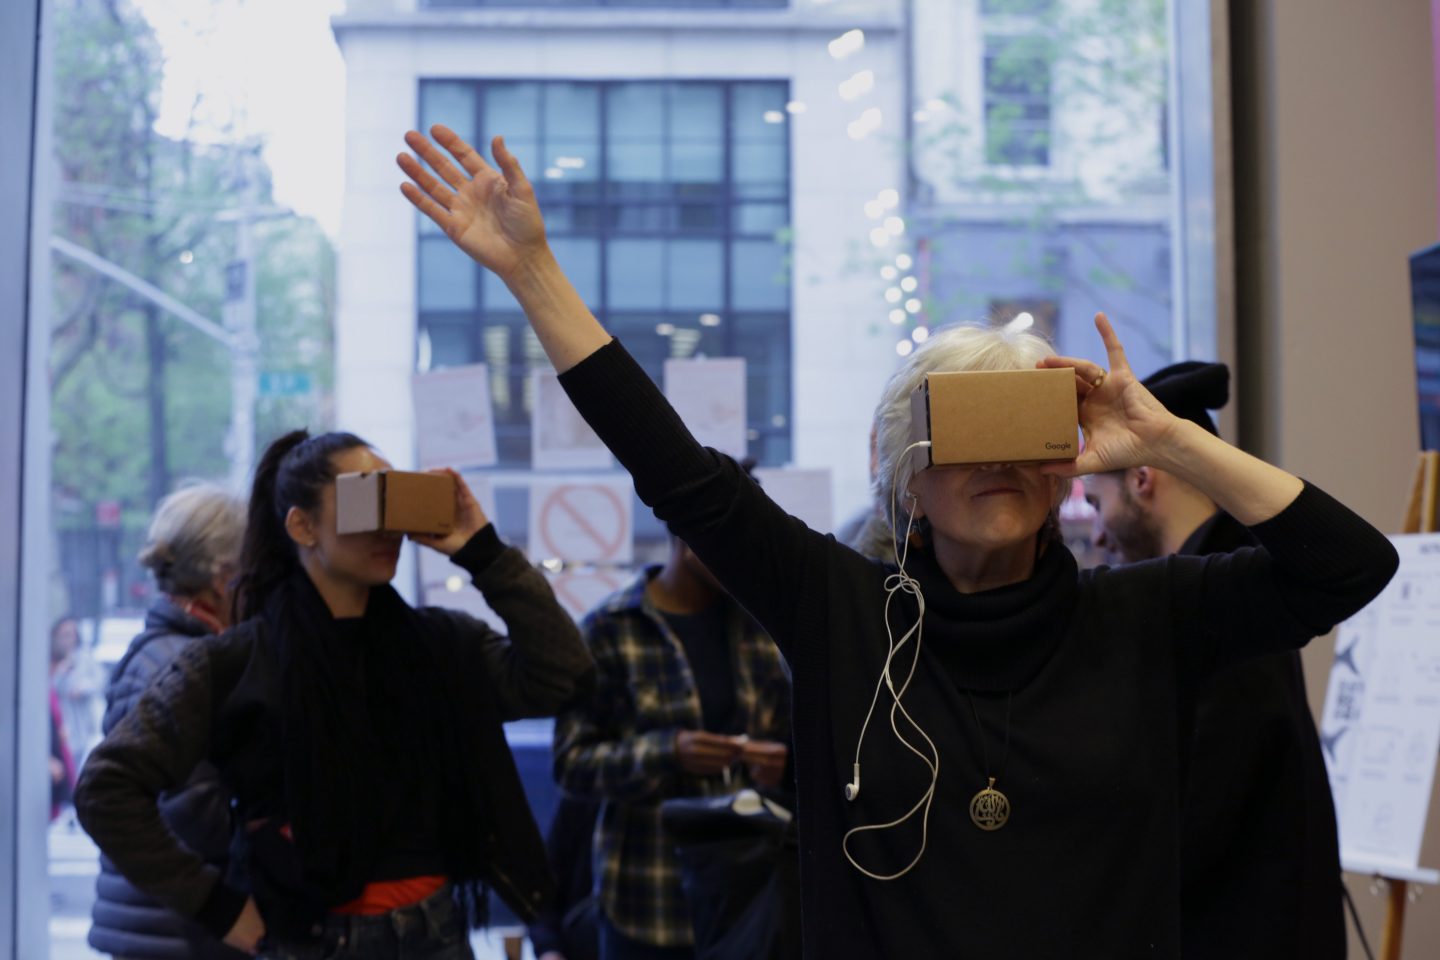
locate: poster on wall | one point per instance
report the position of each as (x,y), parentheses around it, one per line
(1380,729)
(709,395)
(581,589)
(583,520)
(801,492)
(454,419)
(560,439)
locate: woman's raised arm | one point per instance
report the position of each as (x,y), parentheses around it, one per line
(493,216)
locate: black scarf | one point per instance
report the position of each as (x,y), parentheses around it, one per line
(368,711)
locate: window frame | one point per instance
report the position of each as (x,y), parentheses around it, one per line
(729,198)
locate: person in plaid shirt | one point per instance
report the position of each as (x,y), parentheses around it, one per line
(692,699)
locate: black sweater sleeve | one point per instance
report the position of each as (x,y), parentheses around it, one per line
(543,664)
(758,551)
(1318,564)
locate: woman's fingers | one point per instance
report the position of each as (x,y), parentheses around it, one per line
(438,161)
(429,207)
(510,167)
(1086,370)
(1113,348)
(467,155)
(440,193)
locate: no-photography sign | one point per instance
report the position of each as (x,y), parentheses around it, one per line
(586,520)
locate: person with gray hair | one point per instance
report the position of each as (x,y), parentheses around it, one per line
(192,550)
(1018,720)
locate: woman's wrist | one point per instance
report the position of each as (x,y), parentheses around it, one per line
(535,274)
(1176,451)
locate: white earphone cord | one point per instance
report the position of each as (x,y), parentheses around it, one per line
(900,582)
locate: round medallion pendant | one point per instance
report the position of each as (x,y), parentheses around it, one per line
(990,809)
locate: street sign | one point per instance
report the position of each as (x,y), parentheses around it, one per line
(285,383)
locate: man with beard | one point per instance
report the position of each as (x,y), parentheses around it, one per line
(1260,874)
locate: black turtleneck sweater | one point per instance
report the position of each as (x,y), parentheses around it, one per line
(1097,671)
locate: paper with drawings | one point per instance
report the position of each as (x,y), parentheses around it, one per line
(1380,730)
(709,395)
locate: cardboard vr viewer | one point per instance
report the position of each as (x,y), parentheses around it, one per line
(995,416)
(395,501)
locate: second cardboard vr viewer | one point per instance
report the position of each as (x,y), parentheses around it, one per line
(995,416)
(395,501)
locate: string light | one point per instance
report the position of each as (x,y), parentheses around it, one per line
(894,226)
(909,284)
(866,124)
(1021,323)
(893,295)
(888,272)
(904,347)
(912,305)
(858,85)
(898,316)
(848,43)
(920,334)
(880,237)
(774,116)
(874,209)
(890,197)
(796,106)
(904,262)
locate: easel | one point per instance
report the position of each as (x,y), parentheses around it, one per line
(1420,517)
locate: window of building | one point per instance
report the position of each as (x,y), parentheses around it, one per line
(666,202)
(1018,72)
(642,4)
(1025,8)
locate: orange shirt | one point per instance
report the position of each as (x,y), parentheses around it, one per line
(389,895)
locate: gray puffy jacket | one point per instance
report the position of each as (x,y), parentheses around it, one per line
(126,922)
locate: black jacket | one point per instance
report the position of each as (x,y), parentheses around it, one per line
(1101,666)
(1260,853)
(125,921)
(219,701)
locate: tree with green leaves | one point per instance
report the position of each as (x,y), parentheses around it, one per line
(139,399)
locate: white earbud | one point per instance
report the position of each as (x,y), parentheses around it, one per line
(852,789)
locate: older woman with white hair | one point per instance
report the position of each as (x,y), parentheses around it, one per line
(1018,723)
(192,551)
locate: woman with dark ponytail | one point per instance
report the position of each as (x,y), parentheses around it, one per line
(375,795)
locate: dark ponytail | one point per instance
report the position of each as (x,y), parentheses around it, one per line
(292,472)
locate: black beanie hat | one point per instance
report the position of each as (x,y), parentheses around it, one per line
(1191,388)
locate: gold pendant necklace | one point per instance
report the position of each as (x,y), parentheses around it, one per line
(990,809)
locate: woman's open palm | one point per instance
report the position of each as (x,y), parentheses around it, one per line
(490,214)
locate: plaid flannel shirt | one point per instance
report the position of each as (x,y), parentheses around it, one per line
(619,748)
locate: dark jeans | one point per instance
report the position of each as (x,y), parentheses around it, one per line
(433,929)
(614,945)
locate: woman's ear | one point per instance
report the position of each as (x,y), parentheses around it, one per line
(300,528)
